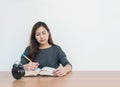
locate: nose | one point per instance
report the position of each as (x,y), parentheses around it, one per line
(41,36)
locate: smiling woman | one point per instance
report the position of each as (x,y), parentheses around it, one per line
(43,52)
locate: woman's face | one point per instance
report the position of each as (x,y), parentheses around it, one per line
(42,35)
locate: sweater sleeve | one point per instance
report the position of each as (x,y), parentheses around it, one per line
(23,60)
(62,57)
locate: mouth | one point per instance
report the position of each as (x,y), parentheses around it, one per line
(42,40)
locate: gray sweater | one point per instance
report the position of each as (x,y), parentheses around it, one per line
(51,57)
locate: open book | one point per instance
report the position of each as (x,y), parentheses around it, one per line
(45,71)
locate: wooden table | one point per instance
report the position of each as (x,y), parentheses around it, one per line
(73,79)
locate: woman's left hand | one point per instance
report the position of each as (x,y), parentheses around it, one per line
(60,71)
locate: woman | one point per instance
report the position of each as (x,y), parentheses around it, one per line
(43,52)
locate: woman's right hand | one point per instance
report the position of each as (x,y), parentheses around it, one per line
(31,66)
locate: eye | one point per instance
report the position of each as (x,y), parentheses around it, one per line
(37,34)
(44,32)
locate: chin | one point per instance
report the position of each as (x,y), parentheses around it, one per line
(42,43)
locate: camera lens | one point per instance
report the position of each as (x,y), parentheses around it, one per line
(18,70)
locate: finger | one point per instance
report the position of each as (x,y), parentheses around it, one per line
(54,71)
(36,64)
(33,68)
(57,72)
(60,74)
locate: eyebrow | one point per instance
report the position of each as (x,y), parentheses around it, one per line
(41,32)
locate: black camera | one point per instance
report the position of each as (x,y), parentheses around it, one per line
(18,70)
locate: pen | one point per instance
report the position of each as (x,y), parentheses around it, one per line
(27,58)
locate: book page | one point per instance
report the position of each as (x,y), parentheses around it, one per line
(32,73)
(47,71)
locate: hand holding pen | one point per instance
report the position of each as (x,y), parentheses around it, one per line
(31,65)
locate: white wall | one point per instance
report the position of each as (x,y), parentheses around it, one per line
(87,30)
